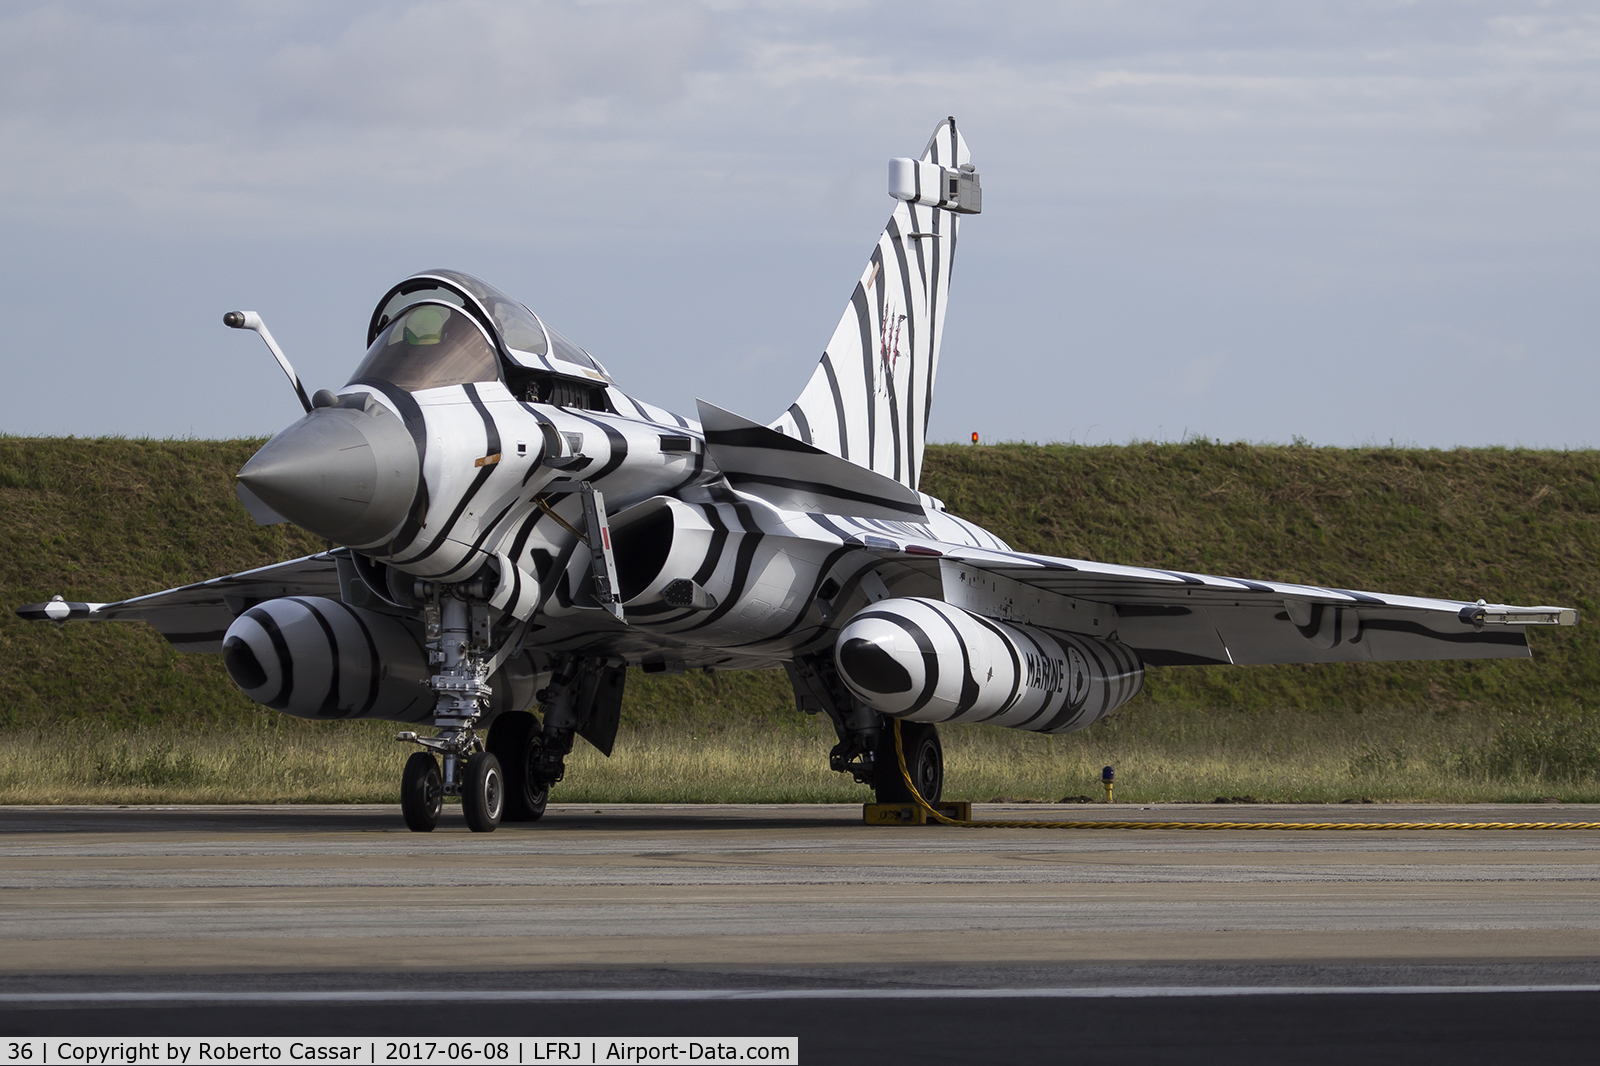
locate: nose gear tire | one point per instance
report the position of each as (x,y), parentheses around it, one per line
(421,792)
(483,792)
(924,759)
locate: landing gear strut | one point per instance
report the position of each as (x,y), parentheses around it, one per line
(456,620)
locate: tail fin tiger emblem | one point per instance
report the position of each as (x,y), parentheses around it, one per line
(888,350)
(869,399)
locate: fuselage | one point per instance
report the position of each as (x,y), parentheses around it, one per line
(766,568)
(499,465)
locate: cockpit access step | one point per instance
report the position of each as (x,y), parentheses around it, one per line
(913,814)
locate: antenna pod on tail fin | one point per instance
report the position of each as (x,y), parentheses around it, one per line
(869,400)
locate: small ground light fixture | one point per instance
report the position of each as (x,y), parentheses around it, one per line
(974,436)
(1107,776)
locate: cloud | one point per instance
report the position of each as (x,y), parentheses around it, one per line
(486,65)
(698,181)
(315,115)
(461,64)
(196,110)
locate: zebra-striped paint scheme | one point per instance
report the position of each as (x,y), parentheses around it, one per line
(926,661)
(315,657)
(783,534)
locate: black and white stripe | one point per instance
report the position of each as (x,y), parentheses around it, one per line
(928,661)
(315,657)
(795,476)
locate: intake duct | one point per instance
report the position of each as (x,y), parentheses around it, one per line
(656,543)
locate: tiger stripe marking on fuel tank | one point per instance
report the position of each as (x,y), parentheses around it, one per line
(974,669)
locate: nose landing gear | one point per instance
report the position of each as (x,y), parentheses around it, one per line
(457,629)
(421,792)
(507,777)
(483,792)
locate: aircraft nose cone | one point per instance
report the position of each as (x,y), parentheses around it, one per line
(343,473)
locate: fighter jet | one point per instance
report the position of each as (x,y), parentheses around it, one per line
(516,532)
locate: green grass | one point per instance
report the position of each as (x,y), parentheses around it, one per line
(1507,525)
(1161,755)
(112,712)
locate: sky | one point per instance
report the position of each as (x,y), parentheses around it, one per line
(1347,223)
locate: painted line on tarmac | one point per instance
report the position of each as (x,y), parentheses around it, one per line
(724,994)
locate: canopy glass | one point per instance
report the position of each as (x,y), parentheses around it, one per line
(428,346)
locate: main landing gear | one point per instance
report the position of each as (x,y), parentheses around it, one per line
(924,761)
(866,748)
(515,741)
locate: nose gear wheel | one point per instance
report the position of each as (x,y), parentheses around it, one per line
(483,792)
(421,792)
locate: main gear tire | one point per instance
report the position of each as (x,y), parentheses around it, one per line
(514,739)
(483,792)
(421,792)
(924,760)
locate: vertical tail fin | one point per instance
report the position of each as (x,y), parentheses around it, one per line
(868,401)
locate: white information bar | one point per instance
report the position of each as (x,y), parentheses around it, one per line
(575,1050)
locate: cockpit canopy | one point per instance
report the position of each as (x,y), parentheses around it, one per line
(429,345)
(443,327)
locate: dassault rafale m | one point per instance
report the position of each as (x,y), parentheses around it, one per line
(517,532)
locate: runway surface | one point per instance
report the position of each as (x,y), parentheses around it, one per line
(808,905)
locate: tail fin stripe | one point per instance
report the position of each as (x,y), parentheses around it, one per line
(901,456)
(800,422)
(913,447)
(933,290)
(922,262)
(894,424)
(838,404)
(902,453)
(864,318)
(878,359)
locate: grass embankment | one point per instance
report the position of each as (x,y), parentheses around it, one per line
(1162,754)
(110,713)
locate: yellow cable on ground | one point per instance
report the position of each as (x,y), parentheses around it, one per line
(899,750)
